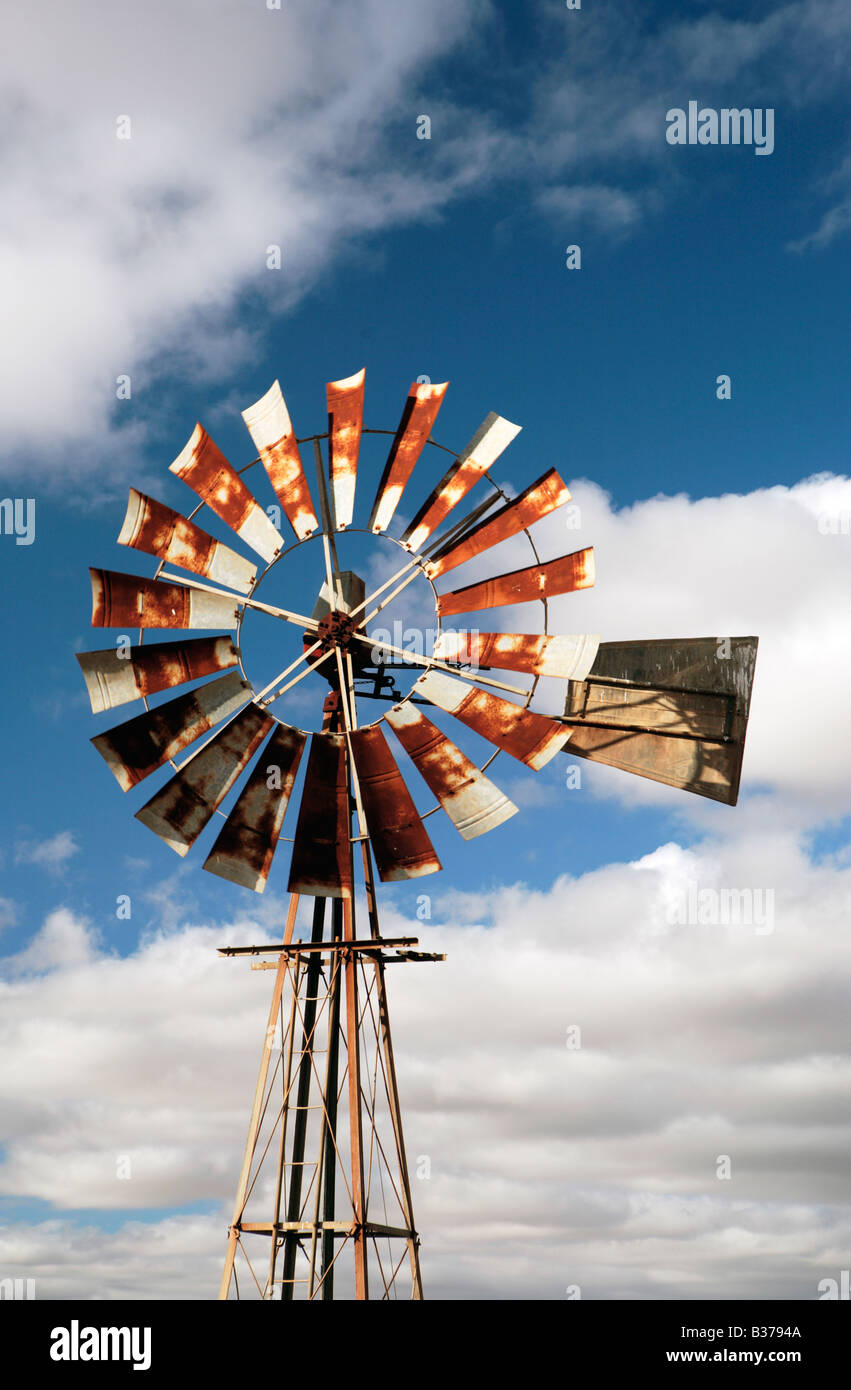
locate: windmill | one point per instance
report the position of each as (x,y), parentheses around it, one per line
(324,1206)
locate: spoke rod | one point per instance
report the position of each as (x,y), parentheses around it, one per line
(309,624)
(414,659)
(293,664)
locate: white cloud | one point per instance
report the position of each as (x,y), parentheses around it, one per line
(249,127)
(296,127)
(52,854)
(549,1165)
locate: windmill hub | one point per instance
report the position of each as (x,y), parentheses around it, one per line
(336,631)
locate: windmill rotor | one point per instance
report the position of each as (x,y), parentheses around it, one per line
(462,676)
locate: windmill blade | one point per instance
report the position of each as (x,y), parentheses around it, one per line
(179,811)
(470,799)
(159,530)
(491,438)
(137,747)
(673,711)
(567,657)
(321,865)
(531,738)
(204,468)
(246,844)
(270,427)
(345,422)
(113,679)
(399,839)
(562,576)
(538,500)
(418,417)
(128,600)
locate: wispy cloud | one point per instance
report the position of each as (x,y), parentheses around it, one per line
(52,854)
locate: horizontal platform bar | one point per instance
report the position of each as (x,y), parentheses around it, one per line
(337,1228)
(369,944)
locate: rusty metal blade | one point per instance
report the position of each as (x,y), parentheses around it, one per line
(420,413)
(246,844)
(562,576)
(128,600)
(204,468)
(345,422)
(675,711)
(179,811)
(113,679)
(531,738)
(159,530)
(491,438)
(137,747)
(538,500)
(470,799)
(321,865)
(270,427)
(398,837)
(565,656)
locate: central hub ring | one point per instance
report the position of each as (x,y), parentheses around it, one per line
(336,631)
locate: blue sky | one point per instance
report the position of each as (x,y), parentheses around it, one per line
(445,257)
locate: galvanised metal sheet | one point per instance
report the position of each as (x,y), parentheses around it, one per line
(531,738)
(470,799)
(538,500)
(159,530)
(137,747)
(489,441)
(270,427)
(398,837)
(418,417)
(128,600)
(673,710)
(565,656)
(179,811)
(204,468)
(345,422)
(321,863)
(562,576)
(246,844)
(112,677)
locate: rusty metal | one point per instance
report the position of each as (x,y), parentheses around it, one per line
(137,747)
(531,738)
(398,837)
(113,677)
(562,576)
(563,656)
(470,799)
(418,417)
(321,863)
(179,811)
(345,422)
(675,711)
(204,468)
(159,530)
(539,499)
(491,438)
(270,427)
(127,600)
(246,844)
